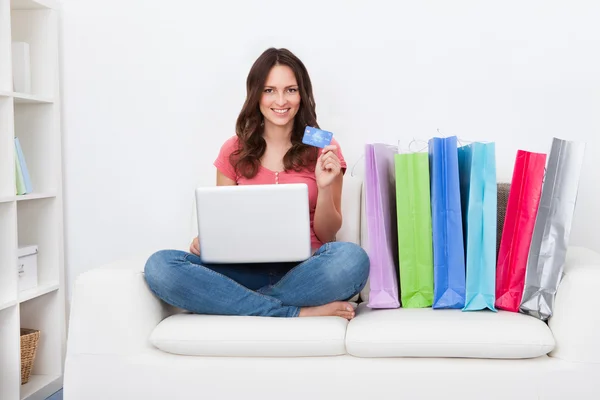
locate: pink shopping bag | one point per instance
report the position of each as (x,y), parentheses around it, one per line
(382,242)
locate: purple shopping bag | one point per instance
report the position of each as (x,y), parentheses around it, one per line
(382,242)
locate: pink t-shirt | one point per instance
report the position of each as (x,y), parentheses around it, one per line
(266,176)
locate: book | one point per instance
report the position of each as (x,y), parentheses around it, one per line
(19,175)
(24,169)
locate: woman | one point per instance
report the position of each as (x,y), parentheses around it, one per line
(268,149)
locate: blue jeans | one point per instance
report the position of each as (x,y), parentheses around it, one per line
(337,271)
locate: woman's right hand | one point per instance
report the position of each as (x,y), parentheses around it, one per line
(195,246)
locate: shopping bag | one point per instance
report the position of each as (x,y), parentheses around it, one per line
(479,191)
(415,249)
(382,248)
(446,216)
(548,248)
(521,210)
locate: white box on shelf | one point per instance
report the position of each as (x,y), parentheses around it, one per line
(27,267)
(21,67)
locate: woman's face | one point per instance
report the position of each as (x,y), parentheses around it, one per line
(280,98)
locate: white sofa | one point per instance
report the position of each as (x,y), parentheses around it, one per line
(116,324)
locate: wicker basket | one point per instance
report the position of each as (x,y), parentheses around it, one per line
(29,343)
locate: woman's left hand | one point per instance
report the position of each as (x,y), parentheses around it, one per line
(328,166)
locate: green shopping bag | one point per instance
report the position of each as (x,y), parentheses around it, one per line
(415,247)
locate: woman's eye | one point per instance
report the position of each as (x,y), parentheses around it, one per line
(268,90)
(292,90)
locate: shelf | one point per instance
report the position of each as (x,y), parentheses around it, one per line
(32,196)
(35,196)
(44,313)
(33,116)
(40,386)
(39,138)
(38,291)
(27,98)
(32,24)
(33,4)
(7,304)
(38,224)
(21,98)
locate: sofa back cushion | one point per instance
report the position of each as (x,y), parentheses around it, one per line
(351,210)
(503,191)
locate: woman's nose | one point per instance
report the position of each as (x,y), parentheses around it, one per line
(280,99)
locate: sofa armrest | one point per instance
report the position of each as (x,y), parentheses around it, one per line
(576,318)
(113,311)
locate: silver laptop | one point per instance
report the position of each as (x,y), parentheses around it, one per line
(253,223)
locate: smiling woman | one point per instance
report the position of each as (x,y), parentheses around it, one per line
(268,149)
(279,104)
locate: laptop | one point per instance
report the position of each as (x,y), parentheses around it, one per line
(253,223)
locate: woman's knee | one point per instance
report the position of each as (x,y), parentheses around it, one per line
(353,263)
(158,266)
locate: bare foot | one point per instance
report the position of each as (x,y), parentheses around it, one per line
(336,309)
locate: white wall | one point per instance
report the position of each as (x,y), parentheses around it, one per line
(152,88)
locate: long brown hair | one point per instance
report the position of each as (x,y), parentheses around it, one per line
(250,127)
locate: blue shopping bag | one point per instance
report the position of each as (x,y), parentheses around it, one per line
(479,191)
(446,217)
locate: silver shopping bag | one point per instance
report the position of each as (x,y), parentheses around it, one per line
(552,228)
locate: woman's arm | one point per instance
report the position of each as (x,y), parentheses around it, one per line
(328,213)
(222,180)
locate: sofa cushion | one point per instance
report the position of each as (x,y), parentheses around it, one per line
(242,336)
(424,332)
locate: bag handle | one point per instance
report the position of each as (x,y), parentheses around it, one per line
(355,164)
(416,141)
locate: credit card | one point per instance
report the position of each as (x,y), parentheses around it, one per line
(316,137)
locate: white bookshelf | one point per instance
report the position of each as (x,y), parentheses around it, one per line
(37,217)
